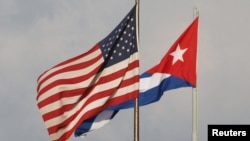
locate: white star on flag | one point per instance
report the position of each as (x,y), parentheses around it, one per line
(178,54)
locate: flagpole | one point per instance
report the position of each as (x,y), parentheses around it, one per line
(195,98)
(136,107)
(195,114)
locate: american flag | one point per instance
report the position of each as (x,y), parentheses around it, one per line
(85,85)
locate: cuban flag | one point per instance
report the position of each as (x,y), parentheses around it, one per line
(176,69)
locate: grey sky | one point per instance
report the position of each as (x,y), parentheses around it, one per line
(35,35)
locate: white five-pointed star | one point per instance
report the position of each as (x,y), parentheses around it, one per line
(178,54)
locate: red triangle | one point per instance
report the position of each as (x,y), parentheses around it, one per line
(185,69)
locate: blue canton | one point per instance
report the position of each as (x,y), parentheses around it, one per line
(121,42)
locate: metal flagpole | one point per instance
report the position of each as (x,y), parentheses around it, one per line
(136,107)
(195,114)
(195,97)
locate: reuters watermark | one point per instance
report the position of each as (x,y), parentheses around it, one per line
(235,132)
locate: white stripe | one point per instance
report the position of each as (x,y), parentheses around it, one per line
(71,74)
(85,58)
(152,81)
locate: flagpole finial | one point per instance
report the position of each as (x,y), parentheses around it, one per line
(195,12)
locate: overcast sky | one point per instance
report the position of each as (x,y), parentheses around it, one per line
(37,34)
